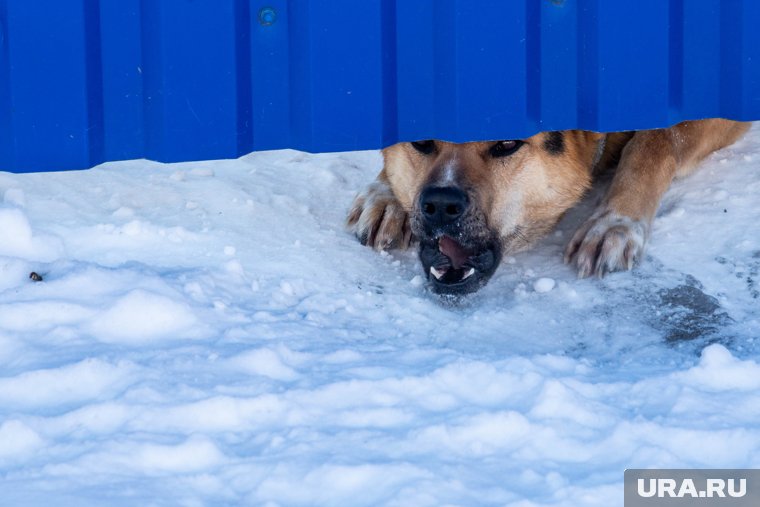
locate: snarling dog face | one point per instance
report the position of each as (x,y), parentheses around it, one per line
(469,204)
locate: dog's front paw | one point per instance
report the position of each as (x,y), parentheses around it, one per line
(378,220)
(607,242)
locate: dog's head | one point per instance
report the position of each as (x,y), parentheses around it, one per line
(471,203)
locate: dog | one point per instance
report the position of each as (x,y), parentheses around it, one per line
(466,205)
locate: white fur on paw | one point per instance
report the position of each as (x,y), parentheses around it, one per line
(607,242)
(378,220)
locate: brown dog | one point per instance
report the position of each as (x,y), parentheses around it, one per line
(468,204)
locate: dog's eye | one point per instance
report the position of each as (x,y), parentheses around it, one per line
(424,147)
(504,148)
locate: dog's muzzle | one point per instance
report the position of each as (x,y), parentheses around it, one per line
(453,268)
(454,249)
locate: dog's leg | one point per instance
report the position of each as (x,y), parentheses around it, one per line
(614,237)
(378,219)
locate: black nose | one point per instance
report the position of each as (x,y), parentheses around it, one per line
(442,205)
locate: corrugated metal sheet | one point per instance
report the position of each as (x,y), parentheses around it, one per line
(86,81)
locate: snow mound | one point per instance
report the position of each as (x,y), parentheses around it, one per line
(194,455)
(17,440)
(141,316)
(265,362)
(543,285)
(87,380)
(18,239)
(719,370)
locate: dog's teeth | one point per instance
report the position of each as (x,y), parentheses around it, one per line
(468,273)
(436,273)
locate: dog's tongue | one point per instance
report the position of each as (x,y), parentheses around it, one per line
(454,251)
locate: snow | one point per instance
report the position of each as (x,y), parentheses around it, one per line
(208,334)
(143,317)
(544,284)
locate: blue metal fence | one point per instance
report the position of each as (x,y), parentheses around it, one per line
(86,81)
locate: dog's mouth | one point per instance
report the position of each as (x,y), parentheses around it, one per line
(454,268)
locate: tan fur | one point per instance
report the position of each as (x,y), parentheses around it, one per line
(614,237)
(522,196)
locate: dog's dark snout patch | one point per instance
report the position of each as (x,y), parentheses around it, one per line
(442,205)
(554,143)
